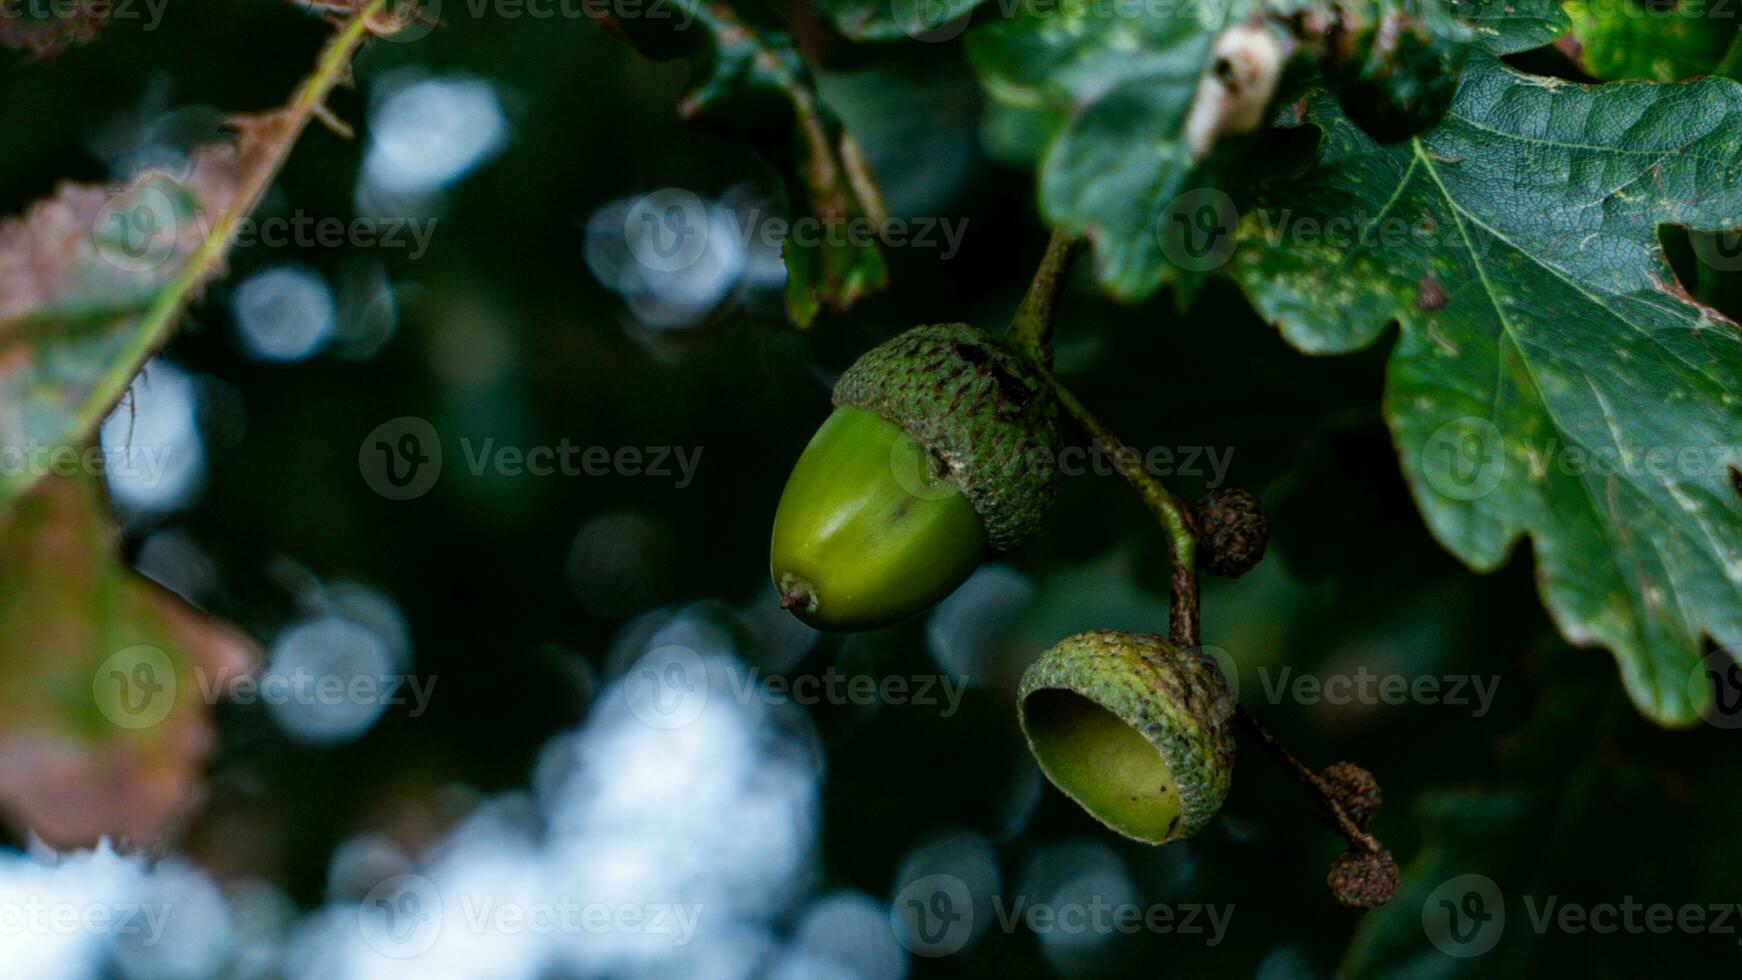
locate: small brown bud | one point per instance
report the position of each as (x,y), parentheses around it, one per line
(1363,879)
(1232,531)
(1355,789)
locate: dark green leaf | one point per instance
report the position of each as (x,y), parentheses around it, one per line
(1552,378)
(1509,26)
(1123,79)
(1615,39)
(895,20)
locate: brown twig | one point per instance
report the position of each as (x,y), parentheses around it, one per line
(1312,782)
(1366,876)
(1030,335)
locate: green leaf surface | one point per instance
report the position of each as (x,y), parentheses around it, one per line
(1616,39)
(750,80)
(1510,26)
(1552,379)
(895,20)
(1102,97)
(1121,79)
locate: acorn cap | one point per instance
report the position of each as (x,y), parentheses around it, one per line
(1135,729)
(975,406)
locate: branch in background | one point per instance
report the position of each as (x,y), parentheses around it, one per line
(93,280)
(47,32)
(751,81)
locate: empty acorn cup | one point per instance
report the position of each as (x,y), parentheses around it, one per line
(1135,729)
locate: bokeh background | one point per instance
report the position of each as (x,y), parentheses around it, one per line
(533,774)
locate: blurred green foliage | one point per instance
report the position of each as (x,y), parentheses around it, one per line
(1560,790)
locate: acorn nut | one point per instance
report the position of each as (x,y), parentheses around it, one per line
(940,450)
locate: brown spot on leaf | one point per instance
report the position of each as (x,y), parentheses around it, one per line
(1736,480)
(1429,295)
(76,766)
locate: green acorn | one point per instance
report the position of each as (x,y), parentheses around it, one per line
(1136,730)
(941,449)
